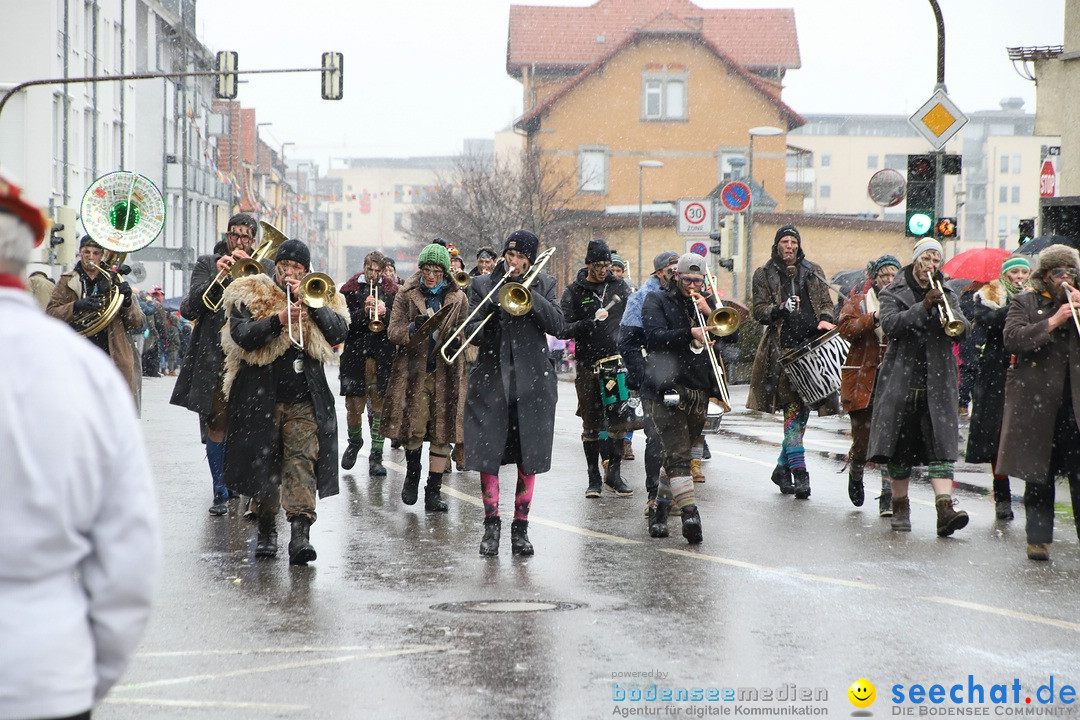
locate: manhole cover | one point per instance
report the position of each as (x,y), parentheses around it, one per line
(506,606)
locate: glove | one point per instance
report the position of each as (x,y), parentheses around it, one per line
(87,304)
(420,320)
(790,305)
(125,290)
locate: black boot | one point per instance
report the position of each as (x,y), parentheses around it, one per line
(375,468)
(855,490)
(519,538)
(301,551)
(411,488)
(433,501)
(1003,499)
(658,524)
(266,540)
(492,528)
(802,483)
(348,458)
(592,462)
(613,475)
(691,524)
(781,475)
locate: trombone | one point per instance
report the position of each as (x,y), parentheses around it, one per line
(462,279)
(315,291)
(374,325)
(724,320)
(953,326)
(714,362)
(513,297)
(1069,290)
(272,239)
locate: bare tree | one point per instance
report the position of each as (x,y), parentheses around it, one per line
(484,198)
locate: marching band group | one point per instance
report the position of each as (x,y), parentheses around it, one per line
(459,360)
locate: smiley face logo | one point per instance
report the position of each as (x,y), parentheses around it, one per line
(862,693)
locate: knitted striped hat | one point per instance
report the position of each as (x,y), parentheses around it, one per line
(1014,262)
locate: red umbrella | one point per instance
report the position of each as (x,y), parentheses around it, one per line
(980,264)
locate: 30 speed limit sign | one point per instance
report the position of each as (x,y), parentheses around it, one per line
(695,216)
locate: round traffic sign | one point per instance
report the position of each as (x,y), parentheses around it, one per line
(886,187)
(699,248)
(695,214)
(735,196)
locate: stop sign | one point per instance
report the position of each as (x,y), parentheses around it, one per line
(1047,180)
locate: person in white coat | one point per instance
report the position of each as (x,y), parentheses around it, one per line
(79,545)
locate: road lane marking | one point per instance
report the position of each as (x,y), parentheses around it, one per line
(990,609)
(206,704)
(412,650)
(775,571)
(263,651)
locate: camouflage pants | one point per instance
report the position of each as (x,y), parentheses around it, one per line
(371,399)
(296,437)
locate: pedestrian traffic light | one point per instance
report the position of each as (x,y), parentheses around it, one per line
(921,195)
(945,229)
(1027,230)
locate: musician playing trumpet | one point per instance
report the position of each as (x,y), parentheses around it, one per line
(1040,437)
(282,426)
(84,290)
(199,385)
(915,419)
(592,308)
(367,357)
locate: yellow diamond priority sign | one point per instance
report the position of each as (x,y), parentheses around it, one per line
(938,119)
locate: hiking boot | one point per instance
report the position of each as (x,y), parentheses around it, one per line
(885,505)
(628,450)
(855,490)
(901,514)
(1038,551)
(695,470)
(489,545)
(949,520)
(781,476)
(375,468)
(301,552)
(1002,508)
(802,483)
(691,524)
(519,538)
(411,488)
(348,458)
(658,523)
(266,540)
(219,507)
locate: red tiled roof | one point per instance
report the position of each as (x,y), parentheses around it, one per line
(567,36)
(793,119)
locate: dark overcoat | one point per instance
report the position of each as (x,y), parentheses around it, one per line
(362,343)
(989,308)
(1033,391)
(253,339)
(401,408)
(905,320)
(580,301)
(200,372)
(513,366)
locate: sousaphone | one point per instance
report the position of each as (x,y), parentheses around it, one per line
(123,212)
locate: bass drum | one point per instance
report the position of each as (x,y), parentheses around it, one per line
(622,411)
(813,368)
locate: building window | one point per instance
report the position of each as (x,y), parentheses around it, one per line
(826,160)
(871,162)
(592,170)
(896,162)
(1003,194)
(1016,194)
(1016,164)
(663,94)
(826,192)
(1004,163)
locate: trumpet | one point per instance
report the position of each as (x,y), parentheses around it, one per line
(1069,290)
(374,323)
(272,239)
(462,279)
(953,326)
(513,297)
(315,291)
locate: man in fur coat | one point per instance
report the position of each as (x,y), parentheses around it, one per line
(282,426)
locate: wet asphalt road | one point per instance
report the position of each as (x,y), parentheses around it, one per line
(815,594)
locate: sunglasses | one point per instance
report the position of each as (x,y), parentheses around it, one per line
(1058,273)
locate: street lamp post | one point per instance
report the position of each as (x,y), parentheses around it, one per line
(760,131)
(640,187)
(285,187)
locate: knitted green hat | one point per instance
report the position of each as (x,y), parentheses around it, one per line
(435,254)
(1013,262)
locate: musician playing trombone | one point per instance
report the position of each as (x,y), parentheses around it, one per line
(510,410)
(198,387)
(366,358)
(282,426)
(793,302)
(915,419)
(425,400)
(592,308)
(1040,437)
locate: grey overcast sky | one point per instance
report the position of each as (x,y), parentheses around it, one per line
(422,75)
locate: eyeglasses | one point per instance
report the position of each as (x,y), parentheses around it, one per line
(690,282)
(238,236)
(1058,273)
(432,272)
(600,265)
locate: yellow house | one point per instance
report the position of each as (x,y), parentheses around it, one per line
(624,81)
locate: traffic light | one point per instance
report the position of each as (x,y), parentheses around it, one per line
(921,194)
(227,78)
(333,70)
(1027,230)
(945,229)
